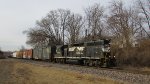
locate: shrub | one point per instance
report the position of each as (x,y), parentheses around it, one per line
(134,56)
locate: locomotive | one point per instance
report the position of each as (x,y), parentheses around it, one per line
(92,53)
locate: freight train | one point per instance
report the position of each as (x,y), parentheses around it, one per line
(93,53)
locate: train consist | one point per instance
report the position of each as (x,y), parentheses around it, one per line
(93,53)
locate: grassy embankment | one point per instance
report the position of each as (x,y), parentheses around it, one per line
(13,72)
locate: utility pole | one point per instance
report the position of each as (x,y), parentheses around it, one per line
(63,33)
(86,35)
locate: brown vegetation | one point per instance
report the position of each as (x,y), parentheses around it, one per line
(134,56)
(16,72)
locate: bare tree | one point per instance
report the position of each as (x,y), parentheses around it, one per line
(35,37)
(94,19)
(144,7)
(63,19)
(74,25)
(123,23)
(49,30)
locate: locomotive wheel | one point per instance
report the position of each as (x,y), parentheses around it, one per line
(56,60)
(59,60)
(87,62)
(63,61)
(98,63)
(81,62)
(90,62)
(102,61)
(93,63)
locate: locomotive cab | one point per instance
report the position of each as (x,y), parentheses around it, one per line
(110,60)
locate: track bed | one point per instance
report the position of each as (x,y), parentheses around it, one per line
(126,76)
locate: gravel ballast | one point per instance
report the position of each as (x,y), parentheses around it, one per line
(117,75)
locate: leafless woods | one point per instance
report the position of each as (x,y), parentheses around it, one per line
(127,26)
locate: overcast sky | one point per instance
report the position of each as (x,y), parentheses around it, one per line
(19,15)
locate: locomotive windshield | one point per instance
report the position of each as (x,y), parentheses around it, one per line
(107,41)
(94,43)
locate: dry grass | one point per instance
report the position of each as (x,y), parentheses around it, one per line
(145,69)
(20,73)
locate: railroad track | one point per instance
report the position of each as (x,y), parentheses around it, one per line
(39,62)
(46,63)
(128,76)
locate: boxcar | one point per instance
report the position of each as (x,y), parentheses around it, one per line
(30,54)
(42,53)
(37,53)
(19,54)
(14,54)
(46,53)
(1,55)
(25,54)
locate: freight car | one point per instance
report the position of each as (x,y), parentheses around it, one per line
(42,53)
(27,54)
(19,54)
(1,55)
(14,54)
